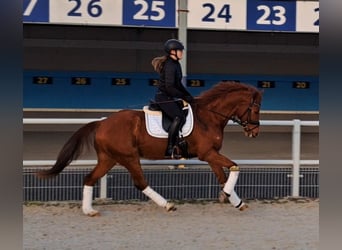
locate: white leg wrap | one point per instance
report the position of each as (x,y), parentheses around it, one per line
(230,184)
(229,188)
(87,200)
(153,195)
(235,200)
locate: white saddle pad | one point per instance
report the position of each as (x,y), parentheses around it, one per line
(155,128)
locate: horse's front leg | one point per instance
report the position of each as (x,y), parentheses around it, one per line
(217,162)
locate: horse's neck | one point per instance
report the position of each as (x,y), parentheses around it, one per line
(218,112)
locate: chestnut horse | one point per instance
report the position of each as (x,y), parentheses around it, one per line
(122,139)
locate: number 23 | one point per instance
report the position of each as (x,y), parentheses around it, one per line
(279,13)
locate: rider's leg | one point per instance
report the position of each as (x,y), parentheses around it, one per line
(173,134)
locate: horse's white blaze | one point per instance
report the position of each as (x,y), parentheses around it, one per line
(153,195)
(87,200)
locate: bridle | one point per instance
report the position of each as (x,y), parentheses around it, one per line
(249,120)
(246,122)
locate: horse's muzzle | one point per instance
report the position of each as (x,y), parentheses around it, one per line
(251,135)
(251,132)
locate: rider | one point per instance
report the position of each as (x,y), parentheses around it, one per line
(170,88)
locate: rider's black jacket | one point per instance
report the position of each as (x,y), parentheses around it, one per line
(170,82)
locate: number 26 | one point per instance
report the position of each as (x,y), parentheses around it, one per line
(93,9)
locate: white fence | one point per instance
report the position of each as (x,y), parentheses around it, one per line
(295,162)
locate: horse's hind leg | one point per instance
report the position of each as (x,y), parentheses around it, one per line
(140,183)
(102,167)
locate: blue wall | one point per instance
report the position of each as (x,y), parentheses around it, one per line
(101,94)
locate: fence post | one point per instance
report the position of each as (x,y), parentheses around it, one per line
(103,187)
(295,157)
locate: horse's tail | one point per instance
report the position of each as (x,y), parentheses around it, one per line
(72,149)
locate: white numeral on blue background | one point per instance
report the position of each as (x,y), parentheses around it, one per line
(155,8)
(279,12)
(30,7)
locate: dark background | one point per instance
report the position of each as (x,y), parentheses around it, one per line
(123,49)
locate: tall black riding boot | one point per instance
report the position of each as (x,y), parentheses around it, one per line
(173,134)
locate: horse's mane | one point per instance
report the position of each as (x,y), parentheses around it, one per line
(221,89)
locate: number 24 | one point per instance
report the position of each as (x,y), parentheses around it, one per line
(223,13)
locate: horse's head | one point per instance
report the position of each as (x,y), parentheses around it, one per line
(234,101)
(248,115)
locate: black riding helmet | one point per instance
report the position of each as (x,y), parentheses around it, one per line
(173,44)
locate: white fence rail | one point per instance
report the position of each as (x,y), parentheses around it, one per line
(295,162)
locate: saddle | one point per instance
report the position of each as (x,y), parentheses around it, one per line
(158,123)
(166,120)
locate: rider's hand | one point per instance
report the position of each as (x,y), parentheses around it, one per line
(188,99)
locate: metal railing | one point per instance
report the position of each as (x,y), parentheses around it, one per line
(295,162)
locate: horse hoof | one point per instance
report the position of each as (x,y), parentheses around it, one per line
(243,207)
(92,213)
(222,197)
(170,207)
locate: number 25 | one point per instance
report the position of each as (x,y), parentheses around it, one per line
(156,7)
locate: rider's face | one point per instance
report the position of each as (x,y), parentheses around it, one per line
(177,54)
